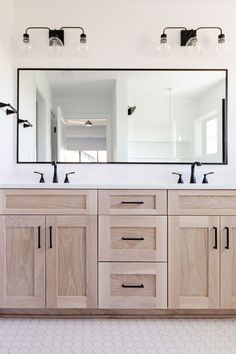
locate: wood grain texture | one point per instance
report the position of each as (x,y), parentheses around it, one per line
(153,246)
(228,263)
(71,263)
(152,275)
(22,263)
(193,268)
(202,202)
(33,201)
(154,202)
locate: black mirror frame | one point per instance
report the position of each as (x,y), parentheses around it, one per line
(224,120)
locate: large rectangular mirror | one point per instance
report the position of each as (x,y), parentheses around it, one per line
(122,116)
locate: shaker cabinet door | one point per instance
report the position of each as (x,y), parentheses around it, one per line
(22,261)
(194,262)
(71,261)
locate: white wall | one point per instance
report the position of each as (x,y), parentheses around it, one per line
(124,34)
(7,88)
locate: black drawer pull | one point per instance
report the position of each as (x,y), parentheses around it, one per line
(227,238)
(138,203)
(139,286)
(133,238)
(216,238)
(50,236)
(39,237)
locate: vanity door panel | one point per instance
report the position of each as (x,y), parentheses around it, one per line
(194,262)
(132,285)
(133,238)
(71,261)
(228,262)
(22,261)
(133,202)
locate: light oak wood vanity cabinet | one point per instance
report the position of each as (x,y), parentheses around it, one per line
(48,260)
(118,252)
(202,249)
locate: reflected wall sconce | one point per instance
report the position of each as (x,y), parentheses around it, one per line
(189,39)
(11,110)
(131,110)
(56,41)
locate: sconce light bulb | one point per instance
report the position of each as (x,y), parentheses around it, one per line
(193,47)
(81,47)
(26,46)
(164,50)
(55,48)
(221,47)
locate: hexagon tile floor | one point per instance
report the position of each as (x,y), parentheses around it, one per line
(33,336)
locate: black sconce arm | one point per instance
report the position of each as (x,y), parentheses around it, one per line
(172,28)
(217,28)
(72,27)
(35,28)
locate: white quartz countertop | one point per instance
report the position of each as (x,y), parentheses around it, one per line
(115,186)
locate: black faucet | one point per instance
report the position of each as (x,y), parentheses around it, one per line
(55,178)
(193,177)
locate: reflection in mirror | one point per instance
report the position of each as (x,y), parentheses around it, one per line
(138,116)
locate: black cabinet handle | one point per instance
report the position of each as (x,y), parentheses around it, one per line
(138,203)
(50,236)
(139,286)
(227,237)
(39,236)
(133,238)
(216,238)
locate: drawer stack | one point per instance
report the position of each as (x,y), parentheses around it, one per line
(132,249)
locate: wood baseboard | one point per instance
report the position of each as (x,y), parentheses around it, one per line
(112,314)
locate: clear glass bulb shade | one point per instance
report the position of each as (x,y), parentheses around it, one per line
(194,50)
(55,50)
(221,49)
(26,49)
(164,50)
(82,50)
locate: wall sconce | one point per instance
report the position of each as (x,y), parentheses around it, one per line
(12,110)
(131,110)
(188,38)
(56,41)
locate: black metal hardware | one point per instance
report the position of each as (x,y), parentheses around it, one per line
(216,238)
(227,238)
(55,177)
(66,180)
(133,238)
(133,286)
(39,237)
(42,180)
(59,34)
(192,176)
(180,179)
(205,180)
(138,203)
(50,237)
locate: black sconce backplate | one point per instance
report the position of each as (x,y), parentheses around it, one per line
(186,35)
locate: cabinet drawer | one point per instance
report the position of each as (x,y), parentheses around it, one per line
(128,202)
(133,238)
(30,201)
(132,285)
(202,202)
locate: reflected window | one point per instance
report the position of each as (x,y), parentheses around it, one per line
(86,156)
(211,136)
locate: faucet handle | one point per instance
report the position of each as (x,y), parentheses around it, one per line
(180,179)
(42,180)
(205,180)
(66,178)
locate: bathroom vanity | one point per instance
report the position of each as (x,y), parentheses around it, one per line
(117,252)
